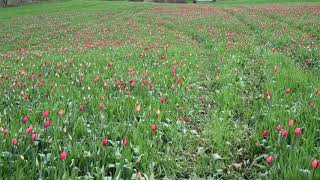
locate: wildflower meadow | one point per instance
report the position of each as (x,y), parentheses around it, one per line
(136,90)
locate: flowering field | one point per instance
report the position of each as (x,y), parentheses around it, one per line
(103,90)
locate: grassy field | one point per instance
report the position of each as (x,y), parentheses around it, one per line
(119,90)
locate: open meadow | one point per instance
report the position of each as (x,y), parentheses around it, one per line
(133,90)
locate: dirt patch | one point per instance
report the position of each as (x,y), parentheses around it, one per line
(278,8)
(184,10)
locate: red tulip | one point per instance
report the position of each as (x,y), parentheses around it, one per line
(45,114)
(5,131)
(150,84)
(173,71)
(180,80)
(14,141)
(265,133)
(284,133)
(101,106)
(268,95)
(143,83)
(132,82)
(310,46)
(279,127)
(117,82)
(122,85)
(228,44)
(47,123)
(163,99)
(60,112)
(63,155)
(315,164)
(187,119)
(34,136)
(26,98)
(147,48)
(125,142)
(21,71)
(298,131)
(104,141)
(154,127)
(291,122)
(81,107)
(25,118)
(182,119)
(22,51)
(29,130)
(229,35)
(269,159)
(274,50)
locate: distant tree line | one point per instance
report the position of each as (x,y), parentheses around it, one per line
(6,3)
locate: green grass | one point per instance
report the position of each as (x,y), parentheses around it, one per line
(254,2)
(213,63)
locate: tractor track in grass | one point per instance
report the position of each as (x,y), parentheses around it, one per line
(218,112)
(236,117)
(251,70)
(202,98)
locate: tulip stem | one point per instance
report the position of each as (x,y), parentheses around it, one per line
(313,171)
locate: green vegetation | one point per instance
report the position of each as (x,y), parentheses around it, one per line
(98,89)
